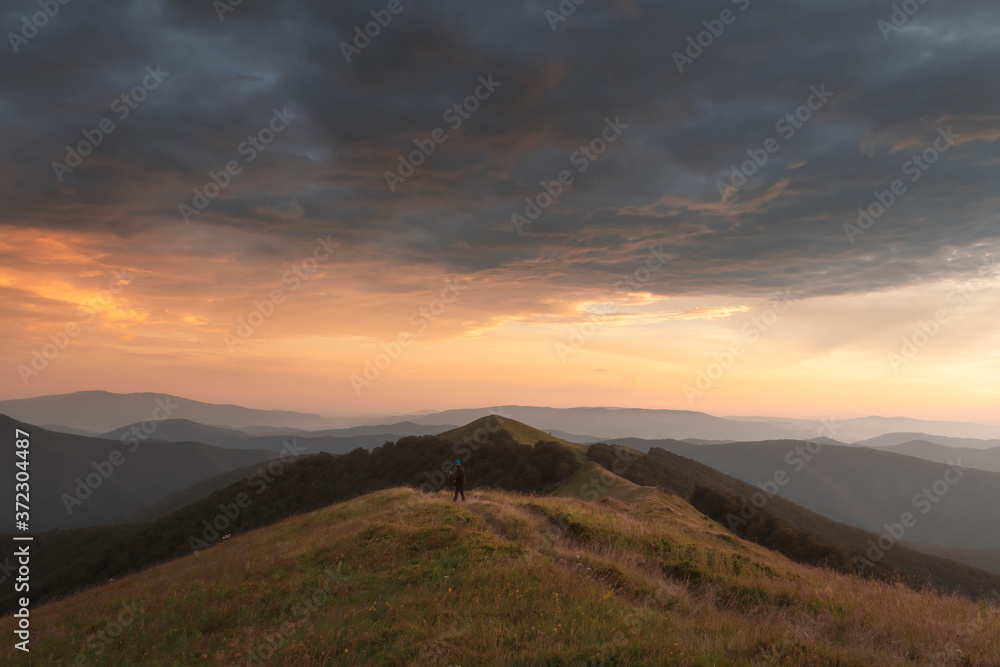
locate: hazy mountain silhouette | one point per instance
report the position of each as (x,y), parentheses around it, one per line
(890,439)
(983,459)
(76,482)
(865,428)
(504,459)
(864,487)
(102,411)
(620,422)
(183,430)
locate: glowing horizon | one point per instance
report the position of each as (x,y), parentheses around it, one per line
(522,219)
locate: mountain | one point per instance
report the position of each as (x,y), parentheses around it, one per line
(480,430)
(865,487)
(80,481)
(180,430)
(866,428)
(984,559)
(101,411)
(601,423)
(869,427)
(983,459)
(399,429)
(196,493)
(890,439)
(59,428)
(398,577)
(623,422)
(184,430)
(70,559)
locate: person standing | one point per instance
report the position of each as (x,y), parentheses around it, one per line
(459,480)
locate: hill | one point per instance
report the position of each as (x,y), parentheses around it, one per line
(866,487)
(981,459)
(193,494)
(399,577)
(984,559)
(683,476)
(866,428)
(623,422)
(102,411)
(186,430)
(480,429)
(890,439)
(609,422)
(183,430)
(72,559)
(79,481)
(69,559)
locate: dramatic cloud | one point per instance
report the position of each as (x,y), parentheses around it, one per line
(209,150)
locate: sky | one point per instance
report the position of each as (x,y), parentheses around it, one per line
(737,207)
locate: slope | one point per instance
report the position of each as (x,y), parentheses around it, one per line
(102,411)
(78,481)
(477,431)
(897,438)
(982,459)
(867,487)
(334,441)
(182,430)
(866,428)
(66,560)
(620,422)
(399,577)
(682,476)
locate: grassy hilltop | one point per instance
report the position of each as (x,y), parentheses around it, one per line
(630,576)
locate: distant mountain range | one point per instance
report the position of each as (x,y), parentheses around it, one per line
(983,459)
(599,423)
(866,428)
(602,423)
(100,412)
(864,487)
(507,455)
(81,481)
(900,438)
(335,441)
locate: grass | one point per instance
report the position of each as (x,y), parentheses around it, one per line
(401,578)
(519,432)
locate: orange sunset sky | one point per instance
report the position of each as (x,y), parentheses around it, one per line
(617,227)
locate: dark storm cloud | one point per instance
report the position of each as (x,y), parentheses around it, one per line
(655,185)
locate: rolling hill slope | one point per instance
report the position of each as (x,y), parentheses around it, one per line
(183,430)
(71,559)
(866,487)
(860,429)
(78,481)
(682,476)
(619,422)
(480,430)
(102,411)
(334,441)
(399,577)
(981,459)
(898,438)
